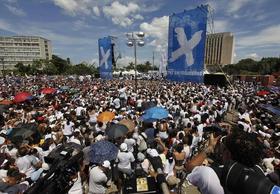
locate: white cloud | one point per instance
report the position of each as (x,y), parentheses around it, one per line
(39,30)
(15,10)
(96,11)
(124,61)
(80,24)
(73,7)
(236,5)
(266,37)
(157,29)
(254,56)
(4,25)
(122,14)
(138,17)
(221,26)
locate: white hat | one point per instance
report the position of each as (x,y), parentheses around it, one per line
(99,137)
(106,164)
(48,136)
(2,140)
(140,156)
(123,147)
(77,130)
(45,166)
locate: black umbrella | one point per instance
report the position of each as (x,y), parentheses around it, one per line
(101,151)
(25,132)
(116,130)
(147,105)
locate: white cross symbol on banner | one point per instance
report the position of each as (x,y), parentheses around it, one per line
(186,46)
(104,57)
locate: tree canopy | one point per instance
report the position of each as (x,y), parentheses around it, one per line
(55,66)
(265,66)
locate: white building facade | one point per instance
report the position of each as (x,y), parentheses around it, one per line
(23,49)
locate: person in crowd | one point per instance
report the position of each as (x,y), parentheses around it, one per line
(98,178)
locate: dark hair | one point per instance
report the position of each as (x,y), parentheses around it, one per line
(13,172)
(22,151)
(245,148)
(179,148)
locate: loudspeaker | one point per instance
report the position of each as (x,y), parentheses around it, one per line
(215,79)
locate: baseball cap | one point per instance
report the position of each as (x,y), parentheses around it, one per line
(123,147)
(2,140)
(106,164)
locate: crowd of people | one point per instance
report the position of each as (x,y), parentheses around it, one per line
(194,145)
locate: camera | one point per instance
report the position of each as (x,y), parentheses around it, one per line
(65,163)
(239,179)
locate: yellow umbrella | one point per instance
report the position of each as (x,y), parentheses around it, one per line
(106,116)
(128,123)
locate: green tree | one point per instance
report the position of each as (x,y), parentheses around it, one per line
(50,69)
(81,69)
(22,69)
(60,64)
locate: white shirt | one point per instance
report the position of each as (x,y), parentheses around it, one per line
(77,186)
(139,103)
(79,110)
(117,103)
(125,159)
(168,168)
(68,129)
(25,166)
(206,180)
(96,178)
(74,140)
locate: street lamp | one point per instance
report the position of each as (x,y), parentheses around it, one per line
(3,66)
(134,39)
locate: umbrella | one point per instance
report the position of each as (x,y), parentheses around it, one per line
(262,93)
(147,105)
(155,113)
(22,96)
(128,123)
(106,116)
(150,132)
(65,88)
(101,151)
(6,102)
(48,91)
(116,130)
(25,131)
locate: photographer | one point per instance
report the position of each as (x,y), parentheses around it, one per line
(240,154)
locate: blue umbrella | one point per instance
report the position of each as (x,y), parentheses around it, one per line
(150,132)
(154,113)
(116,130)
(101,151)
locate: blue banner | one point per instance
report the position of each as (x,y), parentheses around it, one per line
(105,58)
(186,45)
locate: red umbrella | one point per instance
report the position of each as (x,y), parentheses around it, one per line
(262,93)
(6,102)
(22,96)
(48,91)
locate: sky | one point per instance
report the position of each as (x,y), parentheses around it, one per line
(74,26)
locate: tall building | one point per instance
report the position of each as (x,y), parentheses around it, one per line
(23,49)
(219,49)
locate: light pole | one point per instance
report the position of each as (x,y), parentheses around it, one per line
(3,66)
(134,39)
